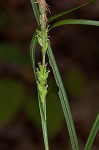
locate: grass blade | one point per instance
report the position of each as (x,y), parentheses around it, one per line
(36,10)
(92,134)
(42,113)
(32,51)
(64,100)
(75,21)
(68,11)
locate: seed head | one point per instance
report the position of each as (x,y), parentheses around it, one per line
(42,75)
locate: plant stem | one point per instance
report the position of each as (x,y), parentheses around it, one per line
(43,58)
(42,73)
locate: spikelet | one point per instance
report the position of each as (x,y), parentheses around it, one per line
(43,7)
(44,4)
(42,76)
(42,43)
(42,38)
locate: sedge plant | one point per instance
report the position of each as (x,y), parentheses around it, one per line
(41,73)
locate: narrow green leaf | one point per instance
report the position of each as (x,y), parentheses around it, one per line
(42,113)
(92,134)
(75,21)
(32,51)
(68,11)
(36,10)
(64,100)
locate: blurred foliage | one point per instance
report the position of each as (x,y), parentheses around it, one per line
(3,20)
(76,82)
(11,99)
(11,54)
(54,112)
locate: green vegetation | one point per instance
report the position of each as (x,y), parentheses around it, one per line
(41,36)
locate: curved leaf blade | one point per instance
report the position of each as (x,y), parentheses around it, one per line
(68,11)
(36,10)
(63,100)
(75,22)
(92,134)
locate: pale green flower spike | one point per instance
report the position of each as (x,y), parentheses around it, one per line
(43,41)
(41,71)
(42,75)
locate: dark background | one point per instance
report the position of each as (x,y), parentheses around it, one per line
(76,50)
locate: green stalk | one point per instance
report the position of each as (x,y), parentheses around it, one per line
(42,106)
(92,134)
(42,72)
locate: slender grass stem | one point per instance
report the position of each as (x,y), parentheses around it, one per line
(92,134)
(43,57)
(42,106)
(39,8)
